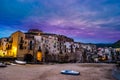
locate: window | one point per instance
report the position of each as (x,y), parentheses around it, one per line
(41,39)
(39,48)
(21,40)
(24,47)
(54,45)
(30,45)
(25,42)
(21,46)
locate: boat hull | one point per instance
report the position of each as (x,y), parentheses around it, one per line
(20,62)
(70,72)
(3,65)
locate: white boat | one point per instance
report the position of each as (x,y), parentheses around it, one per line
(20,62)
(13,64)
(70,72)
(3,65)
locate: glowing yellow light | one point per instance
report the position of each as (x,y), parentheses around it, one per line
(39,56)
(14,51)
(1,53)
(14,48)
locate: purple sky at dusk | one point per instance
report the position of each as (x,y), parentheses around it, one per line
(89,21)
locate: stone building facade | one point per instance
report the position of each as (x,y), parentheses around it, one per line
(53,47)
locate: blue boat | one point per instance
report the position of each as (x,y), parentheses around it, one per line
(70,72)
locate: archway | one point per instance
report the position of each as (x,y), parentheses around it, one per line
(39,56)
(28,58)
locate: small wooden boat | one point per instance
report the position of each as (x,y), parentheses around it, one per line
(70,72)
(3,65)
(20,62)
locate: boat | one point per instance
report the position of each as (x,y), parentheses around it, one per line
(13,64)
(70,72)
(3,65)
(20,62)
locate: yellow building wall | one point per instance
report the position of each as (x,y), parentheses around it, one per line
(17,52)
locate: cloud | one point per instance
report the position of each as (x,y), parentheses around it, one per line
(79,19)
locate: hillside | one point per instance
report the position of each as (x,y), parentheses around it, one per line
(116,44)
(103,45)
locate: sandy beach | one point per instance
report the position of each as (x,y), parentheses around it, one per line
(52,72)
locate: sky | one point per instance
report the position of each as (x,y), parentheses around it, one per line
(89,21)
